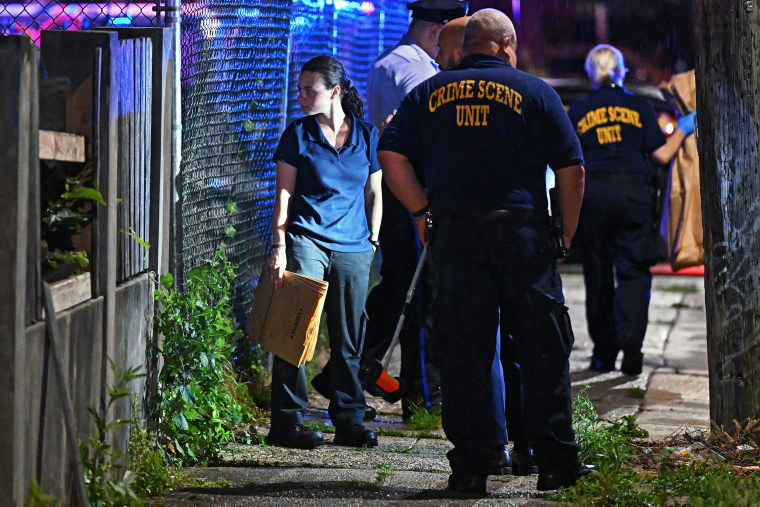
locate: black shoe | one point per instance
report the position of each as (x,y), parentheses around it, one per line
(632,363)
(596,365)
(561,478)
(297,436)
(522,462)
(355,436)
(500,464)
(471,485)
(370,413)
(321,384)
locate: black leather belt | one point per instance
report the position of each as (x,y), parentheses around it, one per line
(494,215)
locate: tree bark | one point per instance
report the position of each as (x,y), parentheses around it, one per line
(728,114)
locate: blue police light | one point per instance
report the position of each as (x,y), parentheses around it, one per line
(121,21)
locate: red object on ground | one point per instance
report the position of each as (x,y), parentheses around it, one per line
(664,269)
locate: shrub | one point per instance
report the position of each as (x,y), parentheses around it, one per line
(198,399)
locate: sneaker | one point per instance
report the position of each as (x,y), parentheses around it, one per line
(370,413)
(296,436)
(355,436)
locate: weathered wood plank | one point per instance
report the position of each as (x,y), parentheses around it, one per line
(18,145)
(158,121)
(75,56)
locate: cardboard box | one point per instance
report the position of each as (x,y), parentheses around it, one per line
(285,321)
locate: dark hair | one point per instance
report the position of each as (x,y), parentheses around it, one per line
(333,74)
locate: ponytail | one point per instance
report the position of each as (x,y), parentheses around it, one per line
(333,74)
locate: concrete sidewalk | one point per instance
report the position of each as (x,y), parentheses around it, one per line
(670,396)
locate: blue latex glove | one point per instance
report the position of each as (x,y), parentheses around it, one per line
(686,123)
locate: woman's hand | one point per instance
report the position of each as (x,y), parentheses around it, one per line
(277,263)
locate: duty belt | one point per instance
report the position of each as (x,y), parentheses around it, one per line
(494,215)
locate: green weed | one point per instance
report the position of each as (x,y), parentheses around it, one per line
(101,462)
(155,471)
(402,450)
(199,399)
(423,419)
(636,392)
(382,472)
(38,498)
(686,289)
(319,426)
(615,447)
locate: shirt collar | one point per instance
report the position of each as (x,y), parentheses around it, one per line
(480,60)
(313,132)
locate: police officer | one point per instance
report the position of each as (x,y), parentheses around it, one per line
(484,133)
(391,77)
(508,392)
(618,230)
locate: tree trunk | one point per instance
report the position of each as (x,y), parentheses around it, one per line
(728,114)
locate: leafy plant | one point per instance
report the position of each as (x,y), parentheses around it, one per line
(38,498)
(382,472)
(155,472)
(69,209)
(100,460)
(199,398)
(423,419)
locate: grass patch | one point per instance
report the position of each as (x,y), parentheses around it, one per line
(390,432)
(402,450)
(686,289)
(687,306)
(319,426)
(636,392)
(423,419)
(382,472)
(700,469)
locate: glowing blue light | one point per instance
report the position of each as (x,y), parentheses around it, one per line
(122,21)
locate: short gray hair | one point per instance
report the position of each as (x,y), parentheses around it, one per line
(605,65)
(487,26)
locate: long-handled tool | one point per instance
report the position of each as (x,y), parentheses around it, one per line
(373,373)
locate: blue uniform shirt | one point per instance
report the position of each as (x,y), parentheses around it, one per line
(394,74)
(328,200)
(485,133)
(617,130)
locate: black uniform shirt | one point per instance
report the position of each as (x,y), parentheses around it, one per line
(617,130)
(484,133)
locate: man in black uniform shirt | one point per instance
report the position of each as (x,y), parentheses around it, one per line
(484,133)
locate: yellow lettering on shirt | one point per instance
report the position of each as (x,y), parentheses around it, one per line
(606,135)
(474,115)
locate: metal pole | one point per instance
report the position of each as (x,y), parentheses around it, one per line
(173,20)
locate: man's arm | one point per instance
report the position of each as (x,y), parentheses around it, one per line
(398,174)
(570,182)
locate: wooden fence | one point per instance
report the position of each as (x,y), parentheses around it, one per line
(113,88)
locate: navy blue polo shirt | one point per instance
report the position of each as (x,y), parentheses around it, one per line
(328,201)
(617,130)
(484,133)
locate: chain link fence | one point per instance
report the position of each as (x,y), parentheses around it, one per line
(239,65)
(32,17)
